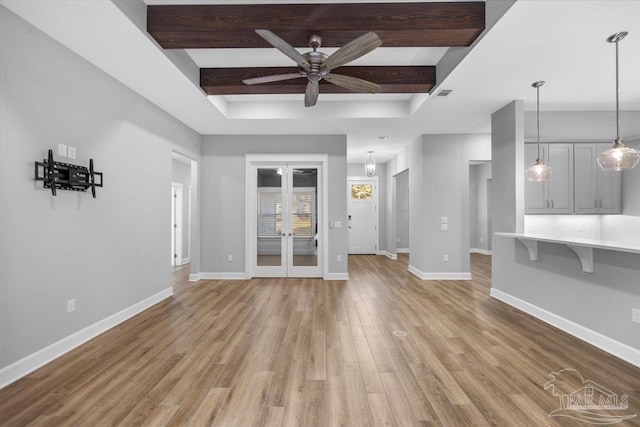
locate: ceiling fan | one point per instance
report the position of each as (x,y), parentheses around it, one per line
(316,66)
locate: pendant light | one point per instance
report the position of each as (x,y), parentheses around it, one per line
(370,166)
(539,171)
(618,157)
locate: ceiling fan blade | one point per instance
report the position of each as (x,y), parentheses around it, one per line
(352,50)
(269,79)
(311,94)
(352,83)
(285,48)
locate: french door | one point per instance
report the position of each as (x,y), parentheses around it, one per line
(286,228)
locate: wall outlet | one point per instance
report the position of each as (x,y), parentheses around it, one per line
(482,240)
(62,150)
(71,305)
(339,258)
(398,239)
(71,152)
(444,227)
(444,220)
(230,258)
(635,315)
(445,258)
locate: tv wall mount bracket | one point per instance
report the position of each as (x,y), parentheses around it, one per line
(65,176)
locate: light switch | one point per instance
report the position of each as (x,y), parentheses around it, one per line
(62,150)
(338,224)
(444,227)
(71,152)
(444,220)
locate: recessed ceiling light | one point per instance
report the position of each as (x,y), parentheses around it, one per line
(444,92)
(383,138)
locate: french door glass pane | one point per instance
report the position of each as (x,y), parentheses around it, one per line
(304,216)
(269,244)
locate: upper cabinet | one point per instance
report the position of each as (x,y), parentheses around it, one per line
(596,191)
(556,195)
(577,184)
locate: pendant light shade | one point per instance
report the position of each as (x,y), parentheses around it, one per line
(618,157)
(370,166)
(539,172)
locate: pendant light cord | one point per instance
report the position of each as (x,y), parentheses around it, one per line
(617,96)
(538,116)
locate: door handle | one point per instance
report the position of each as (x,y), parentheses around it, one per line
(551,203)
(600,203)
(595,203)
(284,234)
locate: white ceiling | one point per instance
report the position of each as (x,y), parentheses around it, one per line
(562,42)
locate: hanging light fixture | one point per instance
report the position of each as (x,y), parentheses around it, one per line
(370,165)
(618,157)
(539,171)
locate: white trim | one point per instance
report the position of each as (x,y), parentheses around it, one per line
(177,204)
(387,254)
(286,158)
(478,251)
(30,363)
(336,276)
(439,276)
(402,250)
(223,276)
(616,348)
(194,277)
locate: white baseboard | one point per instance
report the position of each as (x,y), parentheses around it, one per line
(336,276)
(479,251)
(402,250)
(387,254)
(439,276)
(186,261)
(26,365)
(621,350)
(223,276)
(194,277)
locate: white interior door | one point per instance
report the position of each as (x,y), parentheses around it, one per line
(363,215)
(176,223)
(287,231)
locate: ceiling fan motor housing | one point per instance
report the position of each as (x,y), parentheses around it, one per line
(316,59)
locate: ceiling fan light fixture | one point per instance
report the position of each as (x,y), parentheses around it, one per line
(370,165)
(539,172)
(619,156)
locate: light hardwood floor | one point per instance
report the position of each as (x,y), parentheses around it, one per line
(310,353)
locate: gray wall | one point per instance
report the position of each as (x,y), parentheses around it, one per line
(223,194)
(402,210)
(601,301)
(357,169)
(181,173)
(479,206)
(439,187)
(108,253)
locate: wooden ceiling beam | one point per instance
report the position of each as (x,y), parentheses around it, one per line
(397,24)
(228,81)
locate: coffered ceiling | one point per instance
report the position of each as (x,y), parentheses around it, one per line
(562,42)
(398,24)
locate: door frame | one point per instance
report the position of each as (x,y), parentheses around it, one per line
(376,197)
(176,223)
(252,162)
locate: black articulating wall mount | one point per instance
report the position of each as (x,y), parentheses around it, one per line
(65,176)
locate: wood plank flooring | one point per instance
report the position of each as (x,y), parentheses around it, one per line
(307,352)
